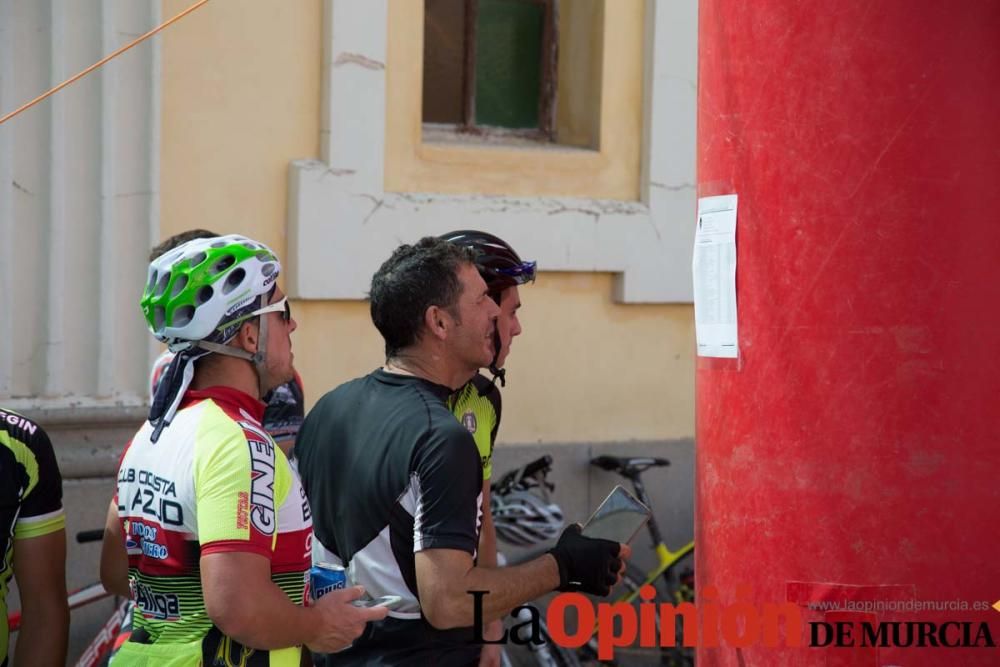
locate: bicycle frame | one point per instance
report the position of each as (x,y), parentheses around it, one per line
(76,599)
(667,558)
(663,553)
(104,641)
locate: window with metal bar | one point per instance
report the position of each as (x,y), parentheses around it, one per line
(490,66)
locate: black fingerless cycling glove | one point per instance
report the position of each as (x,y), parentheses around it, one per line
(586,564)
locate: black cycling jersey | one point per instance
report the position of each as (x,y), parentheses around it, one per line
(30,495)
(389,471)
(285,410)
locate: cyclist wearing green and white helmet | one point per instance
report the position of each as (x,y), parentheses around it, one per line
(285,403)
(209,532)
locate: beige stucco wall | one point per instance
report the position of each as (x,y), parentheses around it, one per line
(581,54)
(241,99)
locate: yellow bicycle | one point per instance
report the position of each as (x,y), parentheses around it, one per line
(672,577)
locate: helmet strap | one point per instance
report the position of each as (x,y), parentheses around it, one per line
(227,350)
(498,373)
(258,358)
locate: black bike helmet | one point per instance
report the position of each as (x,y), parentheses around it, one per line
(501,267)
(498,264)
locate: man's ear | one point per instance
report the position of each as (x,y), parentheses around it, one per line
(247,337)
(437,321)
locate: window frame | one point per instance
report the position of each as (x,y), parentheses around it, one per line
(548,80)
(343,221)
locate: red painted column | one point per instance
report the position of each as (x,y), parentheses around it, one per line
(852,452)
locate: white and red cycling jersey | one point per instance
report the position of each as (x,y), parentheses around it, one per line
(214,481)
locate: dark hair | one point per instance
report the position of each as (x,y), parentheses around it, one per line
(412,280)
(177,239)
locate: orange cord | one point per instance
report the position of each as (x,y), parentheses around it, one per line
(90,69)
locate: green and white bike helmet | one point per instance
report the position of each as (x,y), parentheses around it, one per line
(199,290)
(196,298)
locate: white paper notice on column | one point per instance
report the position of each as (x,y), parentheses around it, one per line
(714,267)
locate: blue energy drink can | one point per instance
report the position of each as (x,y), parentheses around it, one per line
(325,577)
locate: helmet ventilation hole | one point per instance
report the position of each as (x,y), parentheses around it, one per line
(183,316)
(159,318)
(179,285)
(197,259)
(204,294)
(161,284)
(233,280)
(267,269)
(224,263)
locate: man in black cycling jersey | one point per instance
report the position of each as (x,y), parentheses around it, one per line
(478,404)
(394,481)
(32,541)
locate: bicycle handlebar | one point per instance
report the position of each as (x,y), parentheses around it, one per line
(531,474)
(542,465)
